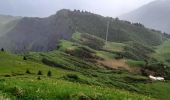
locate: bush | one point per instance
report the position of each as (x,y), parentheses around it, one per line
(38,78)
(82,52)
(49,74)
(72,76)
(93,41)
(28,72)
(24,58)
(2,49)
(39,73)
(51,63)
(7,75)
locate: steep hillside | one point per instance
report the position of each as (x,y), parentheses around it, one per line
(107,66)
(162,52)
(83,67)
(154,15)
(43,34)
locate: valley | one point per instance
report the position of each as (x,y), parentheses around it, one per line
(66,57)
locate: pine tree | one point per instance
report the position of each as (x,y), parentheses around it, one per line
(39,73)
(24,58)
(28,72)
(2,49)
(49,74)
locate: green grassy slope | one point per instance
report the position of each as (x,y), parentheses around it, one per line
(76,73)
(163,52)
(16,84)
(99,75)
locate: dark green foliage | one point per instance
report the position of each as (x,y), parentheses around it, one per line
(159,69)
(76,78)
(39,73)
(24,58)
(53,63)
(28,72)
(2,49)
(82,52)
(49,74)
(7,75)
(119,31)
(73,76)
(38,78)
(137,51)
(92,41)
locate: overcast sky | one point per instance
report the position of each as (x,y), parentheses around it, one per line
(43,8)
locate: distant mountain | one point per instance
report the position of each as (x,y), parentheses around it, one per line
(43,34)
(7,22)
(154,15)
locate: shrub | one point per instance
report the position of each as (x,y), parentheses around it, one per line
(39,73)
(49,74)
(93,41)
(82,52)
(72,76)
(38,78)
(24,58)
(28,72)
(7,75)
(2,49)
(51,63)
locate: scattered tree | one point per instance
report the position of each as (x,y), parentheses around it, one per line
(28,72)
(49,74)
(24,58)
(38,78)
(39,73)
(2,49)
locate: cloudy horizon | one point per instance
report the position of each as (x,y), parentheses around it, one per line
(44,8)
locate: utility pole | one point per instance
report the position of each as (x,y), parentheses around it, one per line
(107,32)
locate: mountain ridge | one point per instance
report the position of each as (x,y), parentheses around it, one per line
(153,15)
(43,34)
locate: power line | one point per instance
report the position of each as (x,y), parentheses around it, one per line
(107,32)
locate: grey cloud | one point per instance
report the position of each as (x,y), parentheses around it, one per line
(43,8)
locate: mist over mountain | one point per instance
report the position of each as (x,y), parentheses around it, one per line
(7,23)
(43,34)
(154,15)
(75,54)
(44,8)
